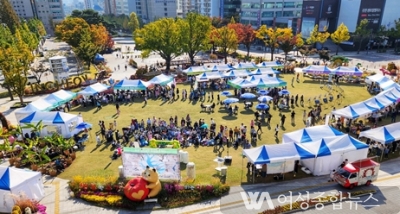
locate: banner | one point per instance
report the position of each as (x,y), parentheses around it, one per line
(371,10)
(307,26)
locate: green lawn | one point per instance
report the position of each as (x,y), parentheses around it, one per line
(97,161)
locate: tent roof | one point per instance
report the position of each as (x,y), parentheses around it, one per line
(330,145)
(379,78)
(387,84)
(241,83)
(196,69)
(269,64)
(237,73)
(310,134)
(223,67)
(263,71)
(94,89)
(248,65)
(41,105)
(65,95)
(317,69)
(11,177)
(277,153)
(209,75)
(383,134)
(131,85)
(342,70)
(161,79)
(53,117)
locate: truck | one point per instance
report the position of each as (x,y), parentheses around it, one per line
(357,173)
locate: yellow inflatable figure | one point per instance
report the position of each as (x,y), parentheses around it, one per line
(153,183)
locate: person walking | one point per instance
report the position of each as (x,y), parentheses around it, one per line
(292,116)
(296,98)
(276,130)
(117,107)
(259,127)
(283,118)
(301,100)
(304,115)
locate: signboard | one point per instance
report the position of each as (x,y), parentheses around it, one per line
(371,10)
(307,26)
(165,161)
(65,83)
(329,9)
(311,9)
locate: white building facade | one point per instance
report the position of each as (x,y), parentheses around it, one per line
(59,68)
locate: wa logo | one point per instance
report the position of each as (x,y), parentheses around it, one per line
(254,201)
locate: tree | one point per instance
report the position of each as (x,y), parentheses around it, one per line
(133,22)
(163,37)
(299,42)
(8,15)
(29,38)
(306,51)
(6,42)
(362,32)
(340,35)
(217,22)
(70,30)
(195,32)
(270,38)
(86,49)
(38,71)
(318,37)
(226,40)
(36,26)
(249,35)
(286,40)
(14,62)
(382,38)
(91,17)
(99,36)
(396,34)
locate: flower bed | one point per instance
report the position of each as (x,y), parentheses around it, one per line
(22,203)
(311,203)
(108,192)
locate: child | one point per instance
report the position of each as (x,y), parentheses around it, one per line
(276,130)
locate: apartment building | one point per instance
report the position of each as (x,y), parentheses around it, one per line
(110,7)
(122,7)
(283,13)
(49,12)
(88,4)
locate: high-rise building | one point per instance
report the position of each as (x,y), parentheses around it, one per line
(50,12)
(122,7)
(88,4)
(231,8)
(205,7)
(110,7)
(271,13)
(150,10)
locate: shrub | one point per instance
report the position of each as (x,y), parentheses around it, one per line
(132,63)
(213,56)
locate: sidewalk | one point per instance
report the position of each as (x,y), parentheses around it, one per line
(59,201)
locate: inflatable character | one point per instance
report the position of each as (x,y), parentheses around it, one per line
(136,189)
(153,184)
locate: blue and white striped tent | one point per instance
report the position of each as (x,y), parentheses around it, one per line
(194,70)
(131,85)
(248,65)
(59,122)
(310,134)
(267,154)
(330,152)
(270,65)
(222,67)
(383,134)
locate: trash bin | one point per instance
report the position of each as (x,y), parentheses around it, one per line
(184,156)
(191,170)
(121,171)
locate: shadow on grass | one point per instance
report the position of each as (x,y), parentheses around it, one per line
(247,112)
(107,165)
(95,148)
(277,140)
(105,147)
(227,117)
(182,166)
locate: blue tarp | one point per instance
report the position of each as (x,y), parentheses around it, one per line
(99,58)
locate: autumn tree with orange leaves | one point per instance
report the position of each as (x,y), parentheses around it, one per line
(286,40)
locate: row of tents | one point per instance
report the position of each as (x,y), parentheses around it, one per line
(384,82)
(207,76)
(256,82)
(319,148)
(194,70)
(371,105)
(340,71)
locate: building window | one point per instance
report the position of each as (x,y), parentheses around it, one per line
(165,4)
(268,5)
(268,14)
(246,5)
(255,6)
(288,5)
(279,5)
(165,14)
(249,14)
(278,13)
(165,9)
(288,13)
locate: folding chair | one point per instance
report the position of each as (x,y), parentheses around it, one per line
(325,99)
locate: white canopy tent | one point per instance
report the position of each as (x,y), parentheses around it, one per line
(283,154)
(378,78)
(207,76)
(19,181)
(161,79)
(93,89)
(387,85)
(237,73)
(222,67)
(265,71)
(330,152)
(310,134)
(384,134)
(193,70)
(270,65)
(248,65)
(57,122)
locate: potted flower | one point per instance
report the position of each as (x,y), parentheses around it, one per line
(52,172)
(93,187)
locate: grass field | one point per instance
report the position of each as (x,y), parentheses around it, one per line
(97,161)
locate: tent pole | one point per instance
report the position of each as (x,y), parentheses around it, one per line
(315,163)
(284,168)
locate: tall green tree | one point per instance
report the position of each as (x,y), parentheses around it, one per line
(286,40)
(270,38)
(163,37)
(6,42)
(70,30)
(396,34)
(86,49)
(340,35)
(8,15)
(14,63)
(226,40)
(29,38)
(195,32)
(362,32)
(133,22)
